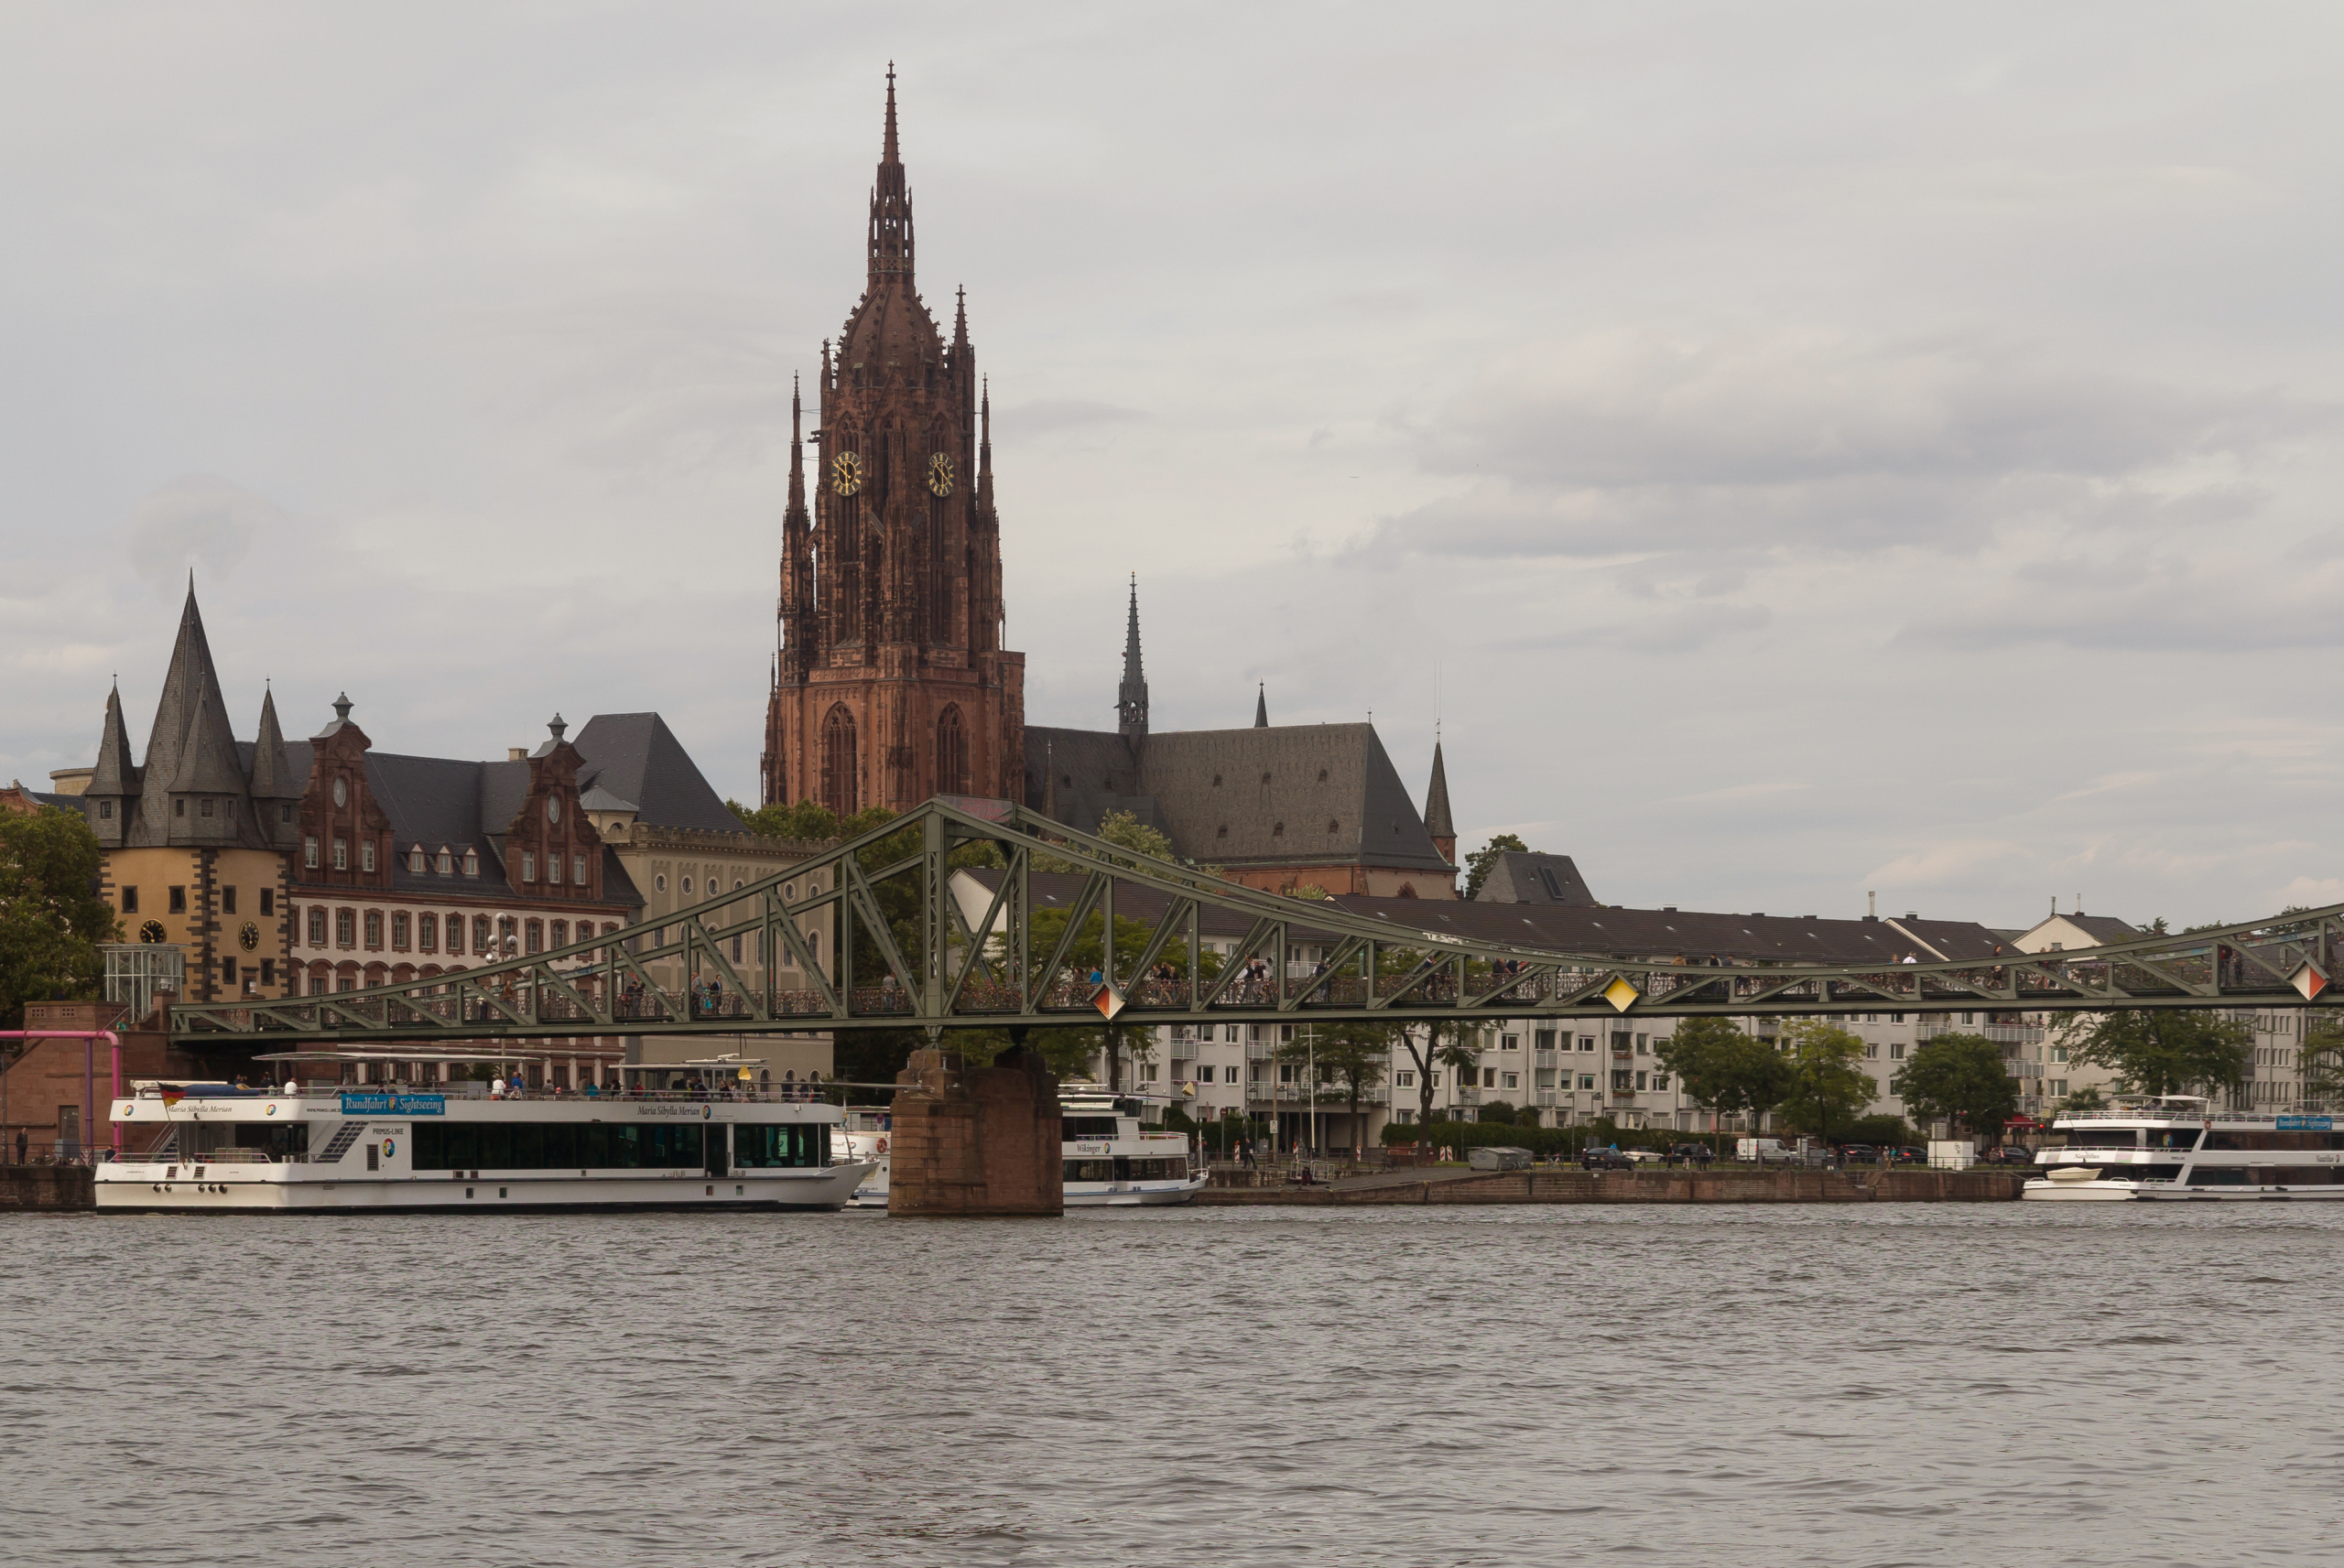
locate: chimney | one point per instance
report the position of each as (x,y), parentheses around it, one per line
(516,753)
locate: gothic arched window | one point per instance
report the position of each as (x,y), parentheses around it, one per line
(952,754)
(839,774)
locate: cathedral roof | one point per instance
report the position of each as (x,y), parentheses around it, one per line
(1292,794)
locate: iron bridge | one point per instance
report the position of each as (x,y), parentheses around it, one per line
(904,955)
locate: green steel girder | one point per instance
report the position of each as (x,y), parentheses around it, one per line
(939,972)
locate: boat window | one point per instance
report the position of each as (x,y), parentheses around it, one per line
(2217,1176)
(2257,1138)
(1089,1169)
(2172,1138)
(584,1146)
(2103,1137)
(787,1144)
(1087,1126)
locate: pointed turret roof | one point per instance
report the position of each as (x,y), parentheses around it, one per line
(272,775)
(891,204)
(114,774)
(1131,697)
(192,749)
(1436,820)
(1262,707)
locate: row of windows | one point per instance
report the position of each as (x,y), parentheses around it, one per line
(615,1146)
(533,935)
(529,866)
(1125,1168)
(176,898)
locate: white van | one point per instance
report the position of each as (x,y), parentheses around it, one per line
(1763,1152)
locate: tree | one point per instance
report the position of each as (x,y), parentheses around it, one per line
(2161,1052)
(51,918)
(1827,1087)
(1353,1055)
(1962,1078)
(1443,1046)
(2322,1060)
(1481,861)
(1125,831)
(1725,1070)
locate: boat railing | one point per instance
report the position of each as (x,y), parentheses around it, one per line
(764,1094)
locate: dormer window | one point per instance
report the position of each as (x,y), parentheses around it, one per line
(553,866)
(203,806)
(528,865)
(578,870)
(414,861)
(105,811)
(366,855)
(471,862)
(447,861)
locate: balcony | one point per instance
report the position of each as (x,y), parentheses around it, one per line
(1184,1050)
(1548,1058)
(1469,1094)
(1546,1100)
(1261,1051)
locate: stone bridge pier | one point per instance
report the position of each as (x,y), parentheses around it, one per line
(975,1141)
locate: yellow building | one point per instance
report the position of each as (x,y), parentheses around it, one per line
(196,837)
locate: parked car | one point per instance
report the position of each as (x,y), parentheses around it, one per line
(1908,1155)
(2009,1154)
(1596,1159)
(1690,1155)
(1858,1154)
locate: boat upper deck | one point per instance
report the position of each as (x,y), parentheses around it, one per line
(468,1101)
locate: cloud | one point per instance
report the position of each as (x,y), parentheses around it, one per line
(1647,440)
(1939,863)
(1062,414)
(200,520)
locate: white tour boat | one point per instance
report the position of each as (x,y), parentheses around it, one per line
(680,1135)
(2174,1147)
(1111,1163)
(862,1137)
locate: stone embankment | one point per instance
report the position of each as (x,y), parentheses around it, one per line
(1634,1187)
(45,1187)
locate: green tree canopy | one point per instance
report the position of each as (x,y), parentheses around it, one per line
(1432,1047)
(2162,1053)
(1478,864)
(51,918)
(1125,831)
(1351,1054)
(1962,1078)
(1828,1084)
(2322,1058)
(1724,1069)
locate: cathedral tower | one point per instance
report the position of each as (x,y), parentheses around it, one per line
(891,683)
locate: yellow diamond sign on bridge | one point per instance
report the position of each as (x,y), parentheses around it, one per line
(1621,994)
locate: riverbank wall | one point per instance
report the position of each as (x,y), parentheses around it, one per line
(52,1187)
(1633,1187)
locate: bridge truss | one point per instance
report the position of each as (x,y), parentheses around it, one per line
(904,955)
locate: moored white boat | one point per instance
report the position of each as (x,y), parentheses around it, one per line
(2174,1147)
(699,1140)
(864,1137)
(1112,1162)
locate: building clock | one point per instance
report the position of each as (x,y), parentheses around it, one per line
(846,472)
(249,938)
(152,932)
(940,474)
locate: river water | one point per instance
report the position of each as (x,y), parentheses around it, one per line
(1827,1385)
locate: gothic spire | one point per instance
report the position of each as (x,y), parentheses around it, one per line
(1262,707)
(1131,698)
(890,206)
(961,317)
(797,452)
(984,446)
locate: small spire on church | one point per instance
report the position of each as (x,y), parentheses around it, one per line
(961,317)
(1262,706)
(1131,698)
(888,152)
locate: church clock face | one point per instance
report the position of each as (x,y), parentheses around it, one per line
(152,932)
(249,938)
(940,474)
(846,472)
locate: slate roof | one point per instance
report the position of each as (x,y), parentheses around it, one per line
(1669,933)
(1528,876)
(1620,933)
(2104,927)
(638,758)
(1294,794)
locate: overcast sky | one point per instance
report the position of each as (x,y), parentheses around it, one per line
(1796,450)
